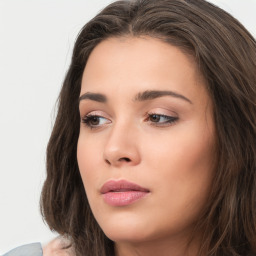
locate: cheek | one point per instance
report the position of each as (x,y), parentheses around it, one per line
(88,159)
(183,148)
(182,165)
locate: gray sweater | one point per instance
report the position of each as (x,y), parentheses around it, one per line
(34,249)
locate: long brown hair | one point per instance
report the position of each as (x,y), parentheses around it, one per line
(226,56)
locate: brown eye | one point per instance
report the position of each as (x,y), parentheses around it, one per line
(161,120)
(94,121)
(154,118)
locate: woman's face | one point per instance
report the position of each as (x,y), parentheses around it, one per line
(146,119)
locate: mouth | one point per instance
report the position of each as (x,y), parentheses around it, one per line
(122,192)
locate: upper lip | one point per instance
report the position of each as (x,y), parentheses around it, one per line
(121,185)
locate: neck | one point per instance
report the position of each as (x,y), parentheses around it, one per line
(158,247)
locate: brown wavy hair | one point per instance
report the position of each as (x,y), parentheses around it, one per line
(225,53)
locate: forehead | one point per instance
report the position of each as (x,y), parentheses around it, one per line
(139,64)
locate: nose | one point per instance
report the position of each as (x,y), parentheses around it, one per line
(122,147)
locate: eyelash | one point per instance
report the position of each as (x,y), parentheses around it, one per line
(89,118)
(170,120)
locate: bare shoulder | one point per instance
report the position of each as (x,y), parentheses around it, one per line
(57,246)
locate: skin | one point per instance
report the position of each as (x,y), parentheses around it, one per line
(174,160)
(55,248)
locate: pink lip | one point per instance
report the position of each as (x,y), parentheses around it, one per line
(122,192)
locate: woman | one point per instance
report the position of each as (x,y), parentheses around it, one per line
(153,150)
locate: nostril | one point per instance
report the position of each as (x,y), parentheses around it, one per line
(120,160)
(107,161)
(126,159)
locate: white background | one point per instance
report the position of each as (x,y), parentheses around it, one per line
(36,41)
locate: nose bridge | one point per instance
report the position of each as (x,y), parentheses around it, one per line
(121,146)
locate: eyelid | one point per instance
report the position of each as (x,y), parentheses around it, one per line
(94,113)
(168,111)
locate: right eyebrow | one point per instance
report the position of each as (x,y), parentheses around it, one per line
(93,96)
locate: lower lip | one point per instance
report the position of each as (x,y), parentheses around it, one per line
(123,198)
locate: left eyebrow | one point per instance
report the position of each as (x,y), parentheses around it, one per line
(150,95)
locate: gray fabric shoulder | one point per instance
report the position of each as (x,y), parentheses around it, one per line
(34,249)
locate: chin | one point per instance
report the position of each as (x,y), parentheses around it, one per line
(127,229)
(128,235)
